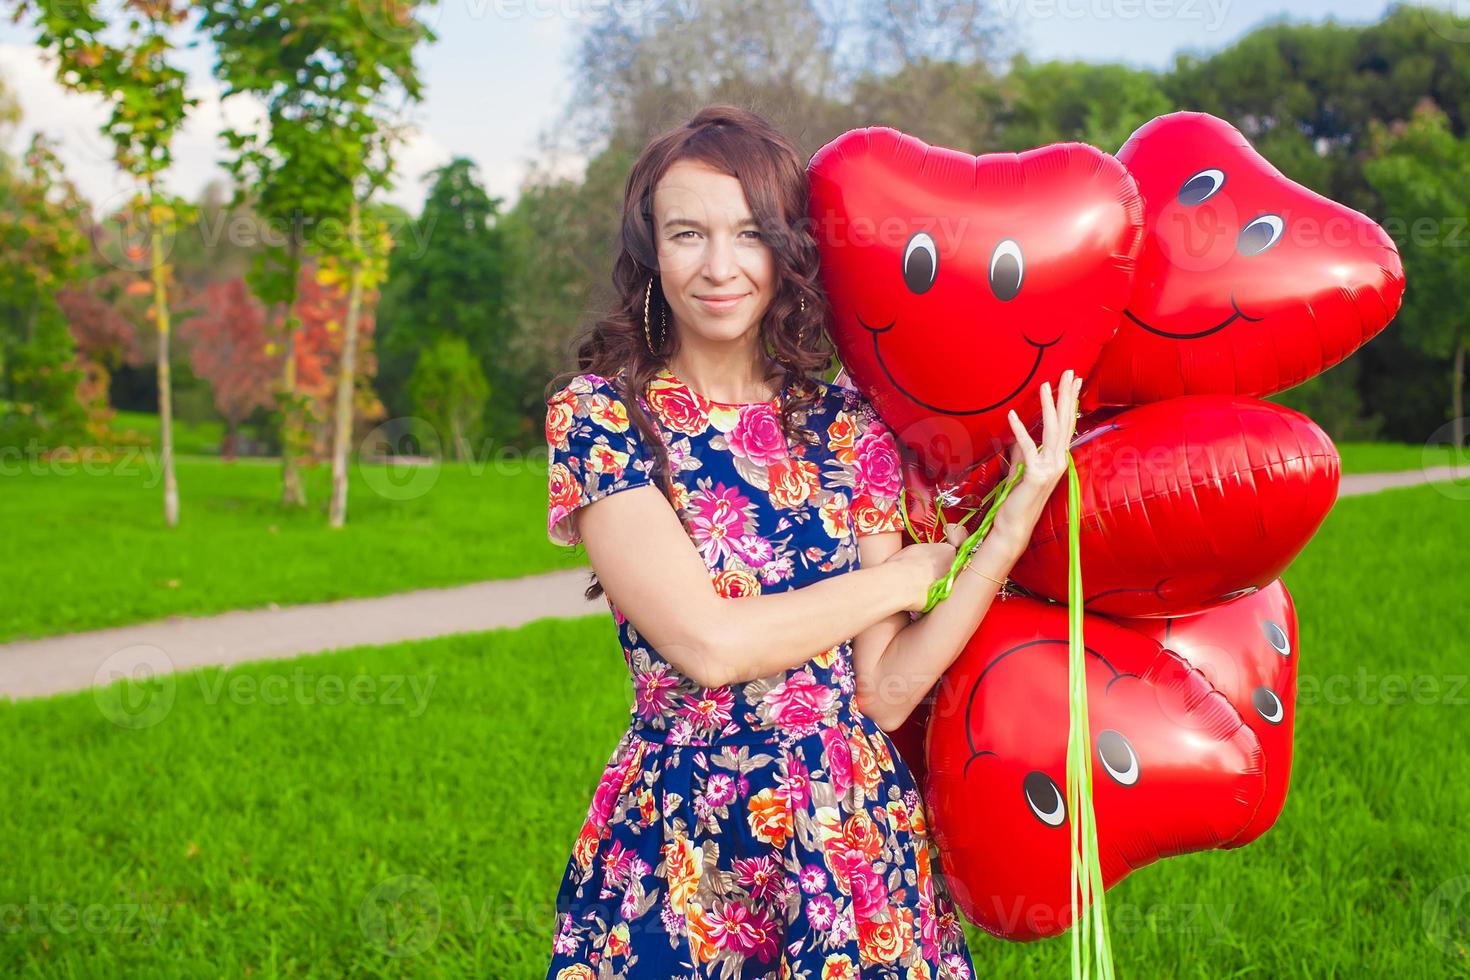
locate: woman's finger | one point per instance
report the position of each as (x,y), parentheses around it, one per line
(1048,416)
(1023,438)
(1073,392)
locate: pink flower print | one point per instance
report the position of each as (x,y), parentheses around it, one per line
(711,710)
(753,934)
(672,921)
(761,875)
(720,790)
(565,942)
(878,464)
(813,879)
(776,570)
(652,690)
(795,781)
(615,863)
(798,704)
(717,518)
(606,795)
(839,759)
(757,436)
(753,549)
(821,911)
(955,966)
(869,893)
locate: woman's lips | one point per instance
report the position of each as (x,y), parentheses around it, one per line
(721,305)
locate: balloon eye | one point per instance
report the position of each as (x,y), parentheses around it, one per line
(1118,757)
(1268,705)
(1044,799)
(1276,636)
(1201,187)
(920,262)
(1006,270)
(1259,235)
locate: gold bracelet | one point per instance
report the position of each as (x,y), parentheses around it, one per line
(970,564)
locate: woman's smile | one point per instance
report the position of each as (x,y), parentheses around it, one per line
(721,302)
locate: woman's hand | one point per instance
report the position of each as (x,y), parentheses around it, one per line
(1045,464)
(925,563)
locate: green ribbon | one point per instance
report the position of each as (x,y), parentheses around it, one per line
(1090,943)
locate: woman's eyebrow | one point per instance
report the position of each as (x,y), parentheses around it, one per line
(699,226)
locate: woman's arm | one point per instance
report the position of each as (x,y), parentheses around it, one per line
(652,571)
(896,661)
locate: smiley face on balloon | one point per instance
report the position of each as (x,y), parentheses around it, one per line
(1176,770)
(1249,283)
(959,284)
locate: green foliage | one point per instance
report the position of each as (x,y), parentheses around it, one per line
(41,221)
(447,277)
(448,390)
(1421,172)
(1055,101)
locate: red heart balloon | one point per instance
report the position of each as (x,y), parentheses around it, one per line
(1185,504)
(1175,769)
(1247,649)
(959,284)
(1249,283)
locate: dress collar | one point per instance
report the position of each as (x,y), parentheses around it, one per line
(668,377)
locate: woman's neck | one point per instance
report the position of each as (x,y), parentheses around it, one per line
(732,377)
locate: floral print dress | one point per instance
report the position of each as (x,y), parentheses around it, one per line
(766,828)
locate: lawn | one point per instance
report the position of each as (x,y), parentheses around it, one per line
(1383,457)
(190,438)
(408,810)
(85,545)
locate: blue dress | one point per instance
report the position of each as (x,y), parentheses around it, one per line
(765,828)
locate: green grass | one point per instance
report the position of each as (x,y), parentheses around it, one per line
(1385,457)
(85,545)
(255,831)
(190,438)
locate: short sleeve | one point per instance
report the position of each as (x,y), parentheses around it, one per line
(879,474)
(593,450)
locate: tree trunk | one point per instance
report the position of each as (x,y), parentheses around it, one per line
(456,432)
(292,492)
(1457,397)
(165,385)
(346,379)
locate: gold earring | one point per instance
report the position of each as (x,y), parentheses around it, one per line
(648,298)
(803,303)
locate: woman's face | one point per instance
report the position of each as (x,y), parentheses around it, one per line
(713,265)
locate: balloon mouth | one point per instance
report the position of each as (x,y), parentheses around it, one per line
(1195,335)
(878,355)
(1156,591)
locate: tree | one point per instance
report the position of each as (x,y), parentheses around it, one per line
(229,346)
(148,103)
(1421,171)
(41,221)
(449,278)
(322,69)
(448,388)
(1055,101)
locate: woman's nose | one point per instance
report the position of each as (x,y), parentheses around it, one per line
(719,259)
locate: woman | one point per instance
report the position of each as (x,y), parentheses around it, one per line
(754,820)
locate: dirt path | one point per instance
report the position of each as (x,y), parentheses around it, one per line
(77,661)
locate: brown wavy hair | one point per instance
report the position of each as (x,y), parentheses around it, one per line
(744,145)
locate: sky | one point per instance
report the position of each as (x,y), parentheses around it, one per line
(499,75)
